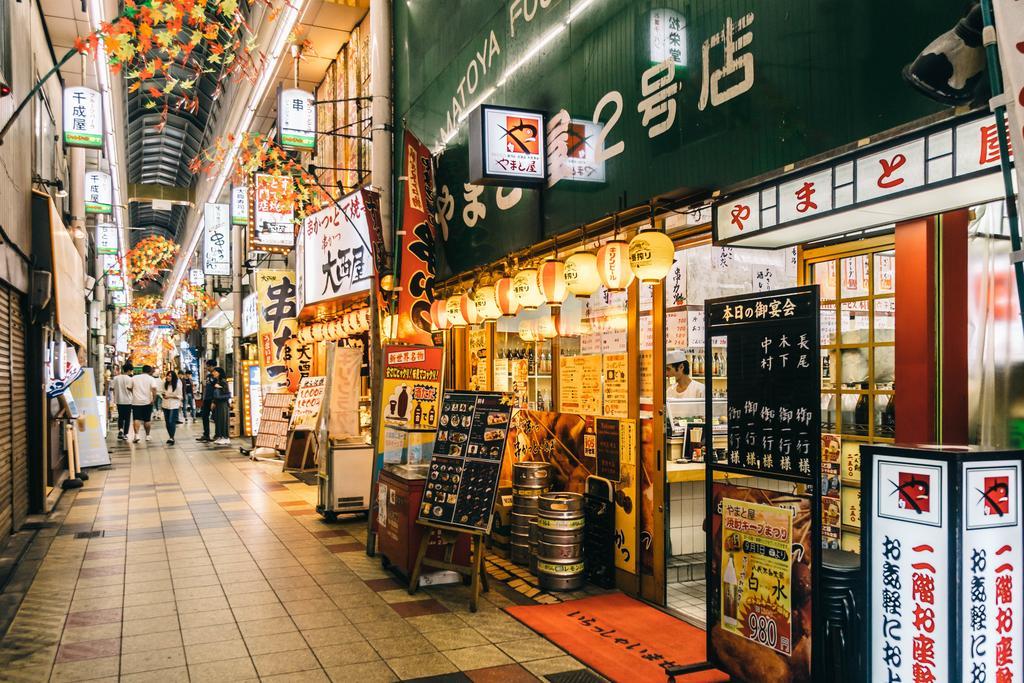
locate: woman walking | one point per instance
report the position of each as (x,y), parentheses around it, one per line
(171,395)
(221,406)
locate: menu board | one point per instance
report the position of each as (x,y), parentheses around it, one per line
(466,465)
(616,386)
(308,402)
(579,383)
(608,464)
(274,417)
(774,384)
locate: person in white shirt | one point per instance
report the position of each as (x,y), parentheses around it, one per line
(171,395)
(121,389)
(144,388)
(678,368)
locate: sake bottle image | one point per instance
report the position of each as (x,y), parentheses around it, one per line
(403,402)
(730,595)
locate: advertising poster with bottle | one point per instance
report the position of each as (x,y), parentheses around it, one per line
(412,386)
(756,579)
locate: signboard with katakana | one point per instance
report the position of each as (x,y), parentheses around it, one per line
(217,241)
(83,118)
(98,192)
(506,146)
(296,119)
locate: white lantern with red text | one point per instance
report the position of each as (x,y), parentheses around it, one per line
(527,289)
(650,256)
(580,274)
(453,309)
(486,304)
(551,277)
(468,309)
(439,315)
(613,265)
(506,297)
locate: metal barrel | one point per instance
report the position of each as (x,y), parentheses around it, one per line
(531,474)
(561,502)
(560,575)
(534,539)
(525,506)
(530,490)
(521,522)
(520,554)
(560,551)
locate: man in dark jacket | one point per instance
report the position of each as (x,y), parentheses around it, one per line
(207,400)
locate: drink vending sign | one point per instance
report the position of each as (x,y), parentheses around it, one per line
(217,240)
(506,146)
(83,118)
(296,119)
(943,563)
(98,192)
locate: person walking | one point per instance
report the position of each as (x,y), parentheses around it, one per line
(221,406)
(206,411)
(144,391)
(188,397)
(121,389)
(171,395)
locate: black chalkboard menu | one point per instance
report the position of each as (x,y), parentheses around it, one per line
(608,449)
(774,385)
(464,470)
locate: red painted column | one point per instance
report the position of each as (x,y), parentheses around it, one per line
(953,305)
(915,328)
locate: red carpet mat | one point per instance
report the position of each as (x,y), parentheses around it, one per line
(620,638)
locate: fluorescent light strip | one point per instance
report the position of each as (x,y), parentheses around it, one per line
(286,22)
(531,52)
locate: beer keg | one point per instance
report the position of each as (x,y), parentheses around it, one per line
(560,575)
(534,540)
(560,529)
(530,474)
(530,481)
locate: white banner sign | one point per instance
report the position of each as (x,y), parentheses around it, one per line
(250,318)
(196,277)
(273,212)
(217,239)
(296,119)
(239,205)
(106,238)
(336,260)
(83,117)
(98,192)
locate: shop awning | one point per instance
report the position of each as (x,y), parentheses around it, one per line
(943,168)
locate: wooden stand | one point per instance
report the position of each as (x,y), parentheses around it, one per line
(301,451)
(473,573)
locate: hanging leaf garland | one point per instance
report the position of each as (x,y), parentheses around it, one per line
(150,256)
(164,47)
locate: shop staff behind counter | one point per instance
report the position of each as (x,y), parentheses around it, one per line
(677,368)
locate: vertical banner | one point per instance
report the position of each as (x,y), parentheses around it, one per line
(197,277)
(277,326)
(216,240)
(418,265)
(272,215)
(98,192)
(106,238)
(240,205)
(83,118)
(296,119)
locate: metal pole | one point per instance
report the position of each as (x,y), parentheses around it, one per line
(995,77)
(237,235)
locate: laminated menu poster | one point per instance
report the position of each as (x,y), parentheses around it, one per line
(774,384)
(308,402)
(466,466)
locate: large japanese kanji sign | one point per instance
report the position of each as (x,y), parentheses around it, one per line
(277,311)
(418,266)
(83,118)
(272,219)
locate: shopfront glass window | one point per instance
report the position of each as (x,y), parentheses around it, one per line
(524,358)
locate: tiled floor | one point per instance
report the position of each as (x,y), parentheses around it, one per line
(202,565)
(688,598)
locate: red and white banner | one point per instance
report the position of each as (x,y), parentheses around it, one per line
(418,265)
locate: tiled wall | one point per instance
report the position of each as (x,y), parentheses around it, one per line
(686,513)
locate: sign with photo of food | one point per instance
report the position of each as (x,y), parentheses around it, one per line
(466,466)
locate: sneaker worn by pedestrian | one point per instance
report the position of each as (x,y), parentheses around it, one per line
(170,442)
(203,439)
(148,437)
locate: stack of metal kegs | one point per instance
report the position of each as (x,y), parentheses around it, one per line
(560,528)
(530,480)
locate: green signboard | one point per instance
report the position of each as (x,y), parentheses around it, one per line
(687,96)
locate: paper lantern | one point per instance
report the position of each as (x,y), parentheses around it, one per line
(439,315)
(650,256)
(305,335)
(388,326)
(580,274)
(527,289)
(526,331)
(506,297)
(566,328)
(468,309)
(551,278)
(613,265)
(486,304)
(316,331)
(546,328)
(453,309)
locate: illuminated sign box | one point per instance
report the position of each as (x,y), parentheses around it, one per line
(506,146)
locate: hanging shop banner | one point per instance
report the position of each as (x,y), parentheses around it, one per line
(337,259)
(1009,20)
(412,386)
(465,469)
(715,104)
(774,388)
(216,240)
(272,220)
(254,399)
(239,205)
(761,552)
(343,418)
(299,357)
(119,299)
(309,401)
(106,238)
(296,119)
(250,315)
(68,277)
(98,192)
(196,277)
(418,265)
(506,146)
(111,265)
(83,118)
(92,446)
(277,325)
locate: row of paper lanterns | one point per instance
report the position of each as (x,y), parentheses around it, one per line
(351,323)
(648,256)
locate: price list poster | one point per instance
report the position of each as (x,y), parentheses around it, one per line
(764,576)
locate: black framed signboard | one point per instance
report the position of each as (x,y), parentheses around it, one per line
(466,465)
(763,557)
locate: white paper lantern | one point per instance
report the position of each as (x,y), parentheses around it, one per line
(468,309)
(506,297)
(551,278)
(453,308)
(527,289)
(613,265)
(439,315)
(546,328)
(527,332)
(650,256)
(580,274)
(486,303)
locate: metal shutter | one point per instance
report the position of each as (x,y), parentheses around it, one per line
(19,411)
(6,401)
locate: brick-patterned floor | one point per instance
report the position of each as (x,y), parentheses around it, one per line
(212,567)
